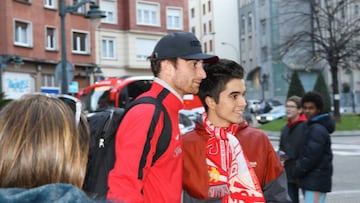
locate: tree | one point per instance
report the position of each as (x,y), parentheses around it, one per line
(295,87)
(3,100)
(328,31)
(321,88)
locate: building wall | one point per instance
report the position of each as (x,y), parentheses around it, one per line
(38,61)
(127,31)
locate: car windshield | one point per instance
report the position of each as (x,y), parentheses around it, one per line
(100,99)
(275,103)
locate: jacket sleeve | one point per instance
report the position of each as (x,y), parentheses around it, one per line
(188,199)
(123,181)
(275,184)
(276,190)
(311,153)
(195,173)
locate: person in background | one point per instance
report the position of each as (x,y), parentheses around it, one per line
(314,167)
(177,64)
(43,153)
(225,160)
(292,139)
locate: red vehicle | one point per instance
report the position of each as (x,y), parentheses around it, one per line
(119,91)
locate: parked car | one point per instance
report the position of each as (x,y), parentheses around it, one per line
(268,104)
(253,105)
(185,123)
(275,113)
(247,115)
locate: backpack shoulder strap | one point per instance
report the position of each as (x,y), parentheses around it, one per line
(165,135)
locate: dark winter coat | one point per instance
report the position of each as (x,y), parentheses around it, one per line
(54,193)
(314,166)
(292,139)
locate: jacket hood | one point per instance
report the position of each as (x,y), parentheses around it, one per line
(54,193)
(325,120)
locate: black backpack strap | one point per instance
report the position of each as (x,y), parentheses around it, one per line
(165,135)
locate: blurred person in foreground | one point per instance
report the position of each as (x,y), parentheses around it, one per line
(314,167)
(225,160)
(177,64)
(44,150)
(292,139)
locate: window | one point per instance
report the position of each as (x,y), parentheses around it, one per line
(108,48)
(242,45)
(51,38)
(192,12)
(264,54)
(193,30)
(109,6)
(50,4)
(210,45)
(147,14)
(23,33)
(144,48)
(250,22)
(48,80)
(356,9)
(80,42)
(249,43)
(204,9)
(210,26)
(263,26)
(243,21)
(205,47)
(209,6)
(204,27)
(81,9)
(174,18)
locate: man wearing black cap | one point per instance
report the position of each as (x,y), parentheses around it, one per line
(177,64)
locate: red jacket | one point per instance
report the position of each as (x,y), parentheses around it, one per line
(257,148)
(162,181)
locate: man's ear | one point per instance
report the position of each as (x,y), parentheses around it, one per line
(210,102)
(166,69)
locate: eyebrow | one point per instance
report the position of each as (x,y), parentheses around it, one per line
(237,92)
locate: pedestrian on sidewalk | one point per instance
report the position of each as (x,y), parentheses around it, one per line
(292,139)
(314,168)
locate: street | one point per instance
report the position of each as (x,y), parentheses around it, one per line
(346,178)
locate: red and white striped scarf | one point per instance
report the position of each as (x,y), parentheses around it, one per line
(231,175)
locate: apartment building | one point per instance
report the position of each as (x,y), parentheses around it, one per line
(31,30)
(127,36)
(266,24)
(216,24)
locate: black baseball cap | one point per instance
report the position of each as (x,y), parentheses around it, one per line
(184,45)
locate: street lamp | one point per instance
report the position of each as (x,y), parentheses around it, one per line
(98,74)
(235,49)
(4,59)
(93,13)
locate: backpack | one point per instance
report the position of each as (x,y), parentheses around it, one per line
(103,128)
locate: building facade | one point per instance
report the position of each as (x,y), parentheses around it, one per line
(127,36)
(31,30)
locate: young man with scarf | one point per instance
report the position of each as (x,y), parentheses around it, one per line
(216,165)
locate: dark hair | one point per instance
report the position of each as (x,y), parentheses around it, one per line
(315,98)
(217,76)
(155,64)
